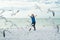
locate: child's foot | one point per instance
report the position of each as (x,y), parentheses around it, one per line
(30,29)
(34,29)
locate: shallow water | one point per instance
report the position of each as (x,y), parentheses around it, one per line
(39,21)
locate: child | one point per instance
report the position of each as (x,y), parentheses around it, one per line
(33,21)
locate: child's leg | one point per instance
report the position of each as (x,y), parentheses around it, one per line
(34,27)
(30,29)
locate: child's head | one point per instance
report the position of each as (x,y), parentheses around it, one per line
(32,14)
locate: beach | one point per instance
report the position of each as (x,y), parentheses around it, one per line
(45,30)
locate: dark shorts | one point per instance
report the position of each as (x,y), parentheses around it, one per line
(33,23)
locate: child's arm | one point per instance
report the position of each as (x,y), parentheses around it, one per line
(29,15)
(35,15)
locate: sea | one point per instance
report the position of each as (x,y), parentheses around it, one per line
(26,22)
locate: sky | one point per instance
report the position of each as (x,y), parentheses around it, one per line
(28,7)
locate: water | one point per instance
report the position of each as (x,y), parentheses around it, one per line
(26,22)
(39,21)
